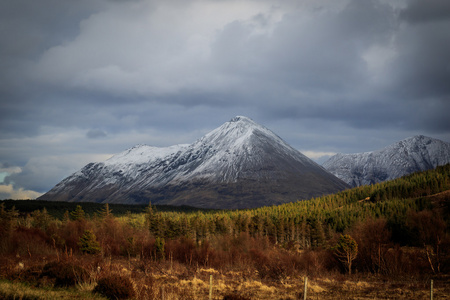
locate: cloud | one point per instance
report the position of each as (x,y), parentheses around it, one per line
(426,11)
(8,192)
(42,173)
(152,49)
(143,48)
(95,134)
(318,157)
(306,59)
(82,80)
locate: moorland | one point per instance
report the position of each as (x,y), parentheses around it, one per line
(385,241)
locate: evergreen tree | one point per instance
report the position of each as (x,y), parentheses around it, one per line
(159,248)
(88,243)
(317,234)
(41,219)
(78,213)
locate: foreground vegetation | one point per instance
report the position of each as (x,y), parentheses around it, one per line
(381,241)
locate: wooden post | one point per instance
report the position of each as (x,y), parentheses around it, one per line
(162,293)
(305,288)
(431,290)
(210,287)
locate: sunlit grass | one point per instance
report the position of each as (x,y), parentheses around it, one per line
(18,290)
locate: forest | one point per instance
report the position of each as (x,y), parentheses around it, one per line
(386,241)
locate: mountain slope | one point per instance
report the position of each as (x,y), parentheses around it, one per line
(418,153)
(239,165)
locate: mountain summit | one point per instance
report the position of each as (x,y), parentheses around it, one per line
(239,165)
(414,154)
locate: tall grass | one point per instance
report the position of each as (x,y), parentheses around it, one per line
(19,290)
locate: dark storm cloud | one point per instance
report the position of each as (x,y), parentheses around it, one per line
(80,80)
(426,11)
(30,27)
(422,70)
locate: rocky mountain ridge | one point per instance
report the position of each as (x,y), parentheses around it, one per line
(414,154)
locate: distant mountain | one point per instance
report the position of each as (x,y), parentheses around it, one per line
(418,153)
(239,165)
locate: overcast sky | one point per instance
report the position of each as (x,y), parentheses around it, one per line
(82,80)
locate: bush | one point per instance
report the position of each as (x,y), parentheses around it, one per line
(115,287)
(269,264)
(30,275)
(65,274)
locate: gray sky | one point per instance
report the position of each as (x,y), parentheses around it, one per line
(82,80)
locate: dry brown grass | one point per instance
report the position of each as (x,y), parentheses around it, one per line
(165,280)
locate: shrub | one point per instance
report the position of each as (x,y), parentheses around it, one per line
(268,264)
(115,287)
(65,274)
(31,241)
(315,262)
(29,275)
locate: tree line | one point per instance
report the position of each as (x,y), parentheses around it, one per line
(377,223)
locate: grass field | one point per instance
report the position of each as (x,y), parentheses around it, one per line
(171,280)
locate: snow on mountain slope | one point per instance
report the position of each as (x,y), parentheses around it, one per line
(418,153)
(240,164)
(232,148)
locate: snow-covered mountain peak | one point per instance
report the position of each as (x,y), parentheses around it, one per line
(240,123)
(242,119)
(413,154)
(240,164)
(237,131)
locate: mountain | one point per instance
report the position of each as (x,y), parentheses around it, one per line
(239,165)
(418,153)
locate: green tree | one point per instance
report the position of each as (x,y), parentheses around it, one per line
(88,243)
(8,221)
(159,248)
(317,234)
(78,213)
(346,251)
(41,219)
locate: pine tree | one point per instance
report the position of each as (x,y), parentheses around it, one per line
(317,234)
(159,248)
(88,243)
(78,213)
(41,219)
